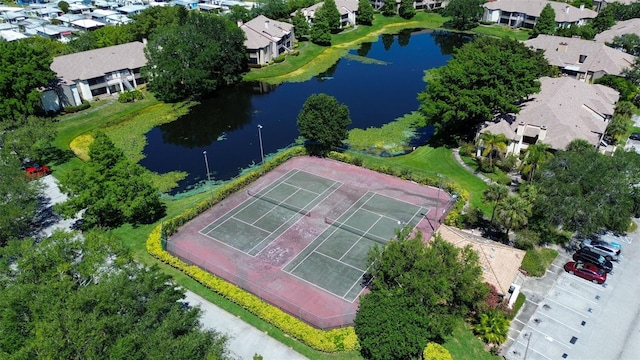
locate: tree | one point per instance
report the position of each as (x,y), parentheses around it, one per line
(494,145)
(493,327)
(25,69)
(464,13)
(618,127)
(157,18)
(546,23)
(274,9)
(513,213)
(320,33)
(583,191)
(604,20)
(111,189)
(74,298)
(406,10)
(536,155)
(365,12)
(324,121)
(18,198)
(388,8)
(480,82)
(64,6)
(31,140)
(300,24)
(329,13)
(418,293)
(495,193)
(213,57)
(241,14)
(630,43)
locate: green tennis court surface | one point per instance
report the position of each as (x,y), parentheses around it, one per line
(336,260)
(268,213)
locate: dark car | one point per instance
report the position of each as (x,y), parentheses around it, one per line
(586,271)
(586,255)
(634,136)
(34,170)
(606,249)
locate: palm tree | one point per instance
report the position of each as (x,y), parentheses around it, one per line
(536,156)
(494,144)
(513,212)
(493,327)
(495,193)
(580,146)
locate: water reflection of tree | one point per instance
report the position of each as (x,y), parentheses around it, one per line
(387,41)
(228,110)
(329,72)
(404,36)
(449,42)
(364,49)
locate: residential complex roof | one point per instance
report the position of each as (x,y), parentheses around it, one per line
(261,31)
(564,12)
(93,63)
(631,26)
(344,7)
(569,109)
(581,55)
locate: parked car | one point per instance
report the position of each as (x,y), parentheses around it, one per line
(634,136)
(586,255)
(586,271)
(35,170)
(609,251)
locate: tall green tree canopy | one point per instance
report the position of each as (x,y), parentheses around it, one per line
(73,298)
(195,59)
(418,293)
(320,32)
(464,13)
(273,9)
(18,198)
(388,8)
(406,9)
(546,23)
(157,18)
(486,77)
(365,12)
(571,197)
(329,13)
(25,69)
(323,121)
(111,189)
(301,25)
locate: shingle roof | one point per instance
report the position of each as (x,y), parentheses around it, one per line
(261,31)
(631,26)
(344,7)
(561,51)
(564,11)
(569,108)
(93,63)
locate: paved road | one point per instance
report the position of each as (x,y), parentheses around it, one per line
(245,340)
(568,317)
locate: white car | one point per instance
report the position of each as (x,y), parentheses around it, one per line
(610,251)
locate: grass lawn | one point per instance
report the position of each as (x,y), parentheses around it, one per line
(502,31)
(537,261)
(431,162)
(463,345)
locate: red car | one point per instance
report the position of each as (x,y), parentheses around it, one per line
(35,171)
(586,271)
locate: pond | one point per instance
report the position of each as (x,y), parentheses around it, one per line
(379,82)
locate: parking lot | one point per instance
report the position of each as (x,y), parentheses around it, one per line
(567,317)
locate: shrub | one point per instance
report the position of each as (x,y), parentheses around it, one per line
(526,239)
(130,96)
(73,109)
(435,351)
(467,149)
(279,59)
(508,163)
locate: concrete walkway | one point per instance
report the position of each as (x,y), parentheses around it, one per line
(244,340)
(456,155)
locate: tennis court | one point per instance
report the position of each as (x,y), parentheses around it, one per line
(269,212)
(298,236)
(336,260)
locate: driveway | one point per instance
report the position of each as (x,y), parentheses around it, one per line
(46,218)
(566,317)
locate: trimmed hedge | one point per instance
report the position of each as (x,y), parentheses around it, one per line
(343,339)
(73,109)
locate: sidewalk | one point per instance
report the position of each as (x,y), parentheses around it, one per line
(456,155)
(244,340)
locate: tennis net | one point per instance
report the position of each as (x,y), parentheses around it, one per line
(279,203)
(355,231)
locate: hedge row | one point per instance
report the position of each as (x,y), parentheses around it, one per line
(343,339)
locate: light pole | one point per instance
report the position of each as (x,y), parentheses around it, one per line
(261,149)
(206,163)
(527,349)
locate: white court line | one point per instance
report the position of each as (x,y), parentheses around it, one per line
(323,289)
(361,237)
(341,262)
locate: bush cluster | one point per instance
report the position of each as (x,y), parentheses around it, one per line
(130,96)
(73,109)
